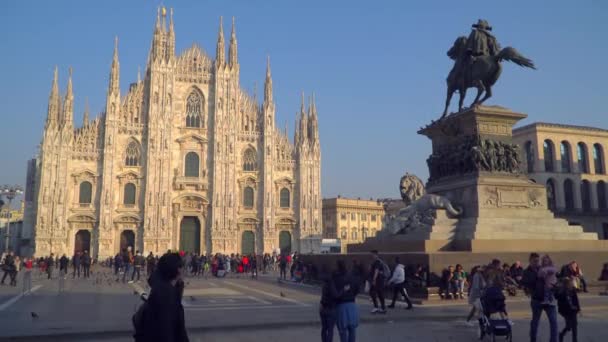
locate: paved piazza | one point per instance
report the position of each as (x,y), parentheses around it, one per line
(241,309)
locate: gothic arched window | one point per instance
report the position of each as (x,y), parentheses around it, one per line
(551,194)
(598,159)
(569,194)
(249,160)
(529,156)
(191,168)
(248,197)
(285,198)
(581,153)
(601,196)
(129,194)
(548,155)
(132,155)
(586,195)
(85,193)
(194,110)
(565,156)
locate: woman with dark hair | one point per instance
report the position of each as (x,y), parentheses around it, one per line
(329,301)
(163,317)
(347,311)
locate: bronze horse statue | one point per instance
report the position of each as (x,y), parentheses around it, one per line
(477,72)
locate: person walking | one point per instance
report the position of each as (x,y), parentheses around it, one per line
(117,265)
(16,269)
(28,265)
(253,261)
(329,302)
(534,286)
(164,319)
(138,263)
(377,278)
(7,266)
(76,264)
(50,263)
(397,281)
(283,267)
(63,265)
(568,306)
(478,284)
(150,263)
(86,264)
(347,313)
(127,262)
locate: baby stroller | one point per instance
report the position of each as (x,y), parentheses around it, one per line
(494,321)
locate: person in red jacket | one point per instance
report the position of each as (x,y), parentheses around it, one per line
(245,264)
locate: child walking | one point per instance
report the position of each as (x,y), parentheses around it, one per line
(568,306)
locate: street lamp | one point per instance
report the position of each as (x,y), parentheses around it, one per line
(9,192)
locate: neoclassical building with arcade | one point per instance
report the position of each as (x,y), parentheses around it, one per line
(186,159)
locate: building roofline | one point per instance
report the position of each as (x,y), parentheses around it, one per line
(556,125)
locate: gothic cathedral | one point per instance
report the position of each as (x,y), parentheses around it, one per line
(185,160)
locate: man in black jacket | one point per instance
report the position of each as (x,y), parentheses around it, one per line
(8,266)
(138,263)
(50,263)
(534,288)
(86,264)
(76,261)
(164,319)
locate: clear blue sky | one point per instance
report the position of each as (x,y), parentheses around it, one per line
(377,67)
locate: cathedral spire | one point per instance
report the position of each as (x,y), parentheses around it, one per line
(157,27)
(54,101)
(268,83)
(170,37)
(68,104)
(313,123)
(138,74)
(303,122)
(85,117)
(220,51)
(171,21)
(114,71)
(233,51)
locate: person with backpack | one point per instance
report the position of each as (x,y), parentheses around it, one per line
(161,318)
(568,306)
(534,287)
(379,273)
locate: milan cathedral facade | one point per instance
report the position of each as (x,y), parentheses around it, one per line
(186,160)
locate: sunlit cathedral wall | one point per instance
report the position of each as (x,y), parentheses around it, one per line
(185,160)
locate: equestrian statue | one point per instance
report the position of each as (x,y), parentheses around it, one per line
(477,64)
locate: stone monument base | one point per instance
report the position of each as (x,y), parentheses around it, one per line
(590,261)
(404,244)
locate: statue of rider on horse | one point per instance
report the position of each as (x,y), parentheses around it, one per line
(477,64)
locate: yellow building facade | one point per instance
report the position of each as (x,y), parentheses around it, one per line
(570,161)
(351,220)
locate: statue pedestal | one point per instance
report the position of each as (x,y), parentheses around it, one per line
(476,166)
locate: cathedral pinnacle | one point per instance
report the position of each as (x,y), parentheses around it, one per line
(114,72)
(85,117)
(220,50)
(268,83)
(54,101)
(171,21)
(233,51)
(68,103)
